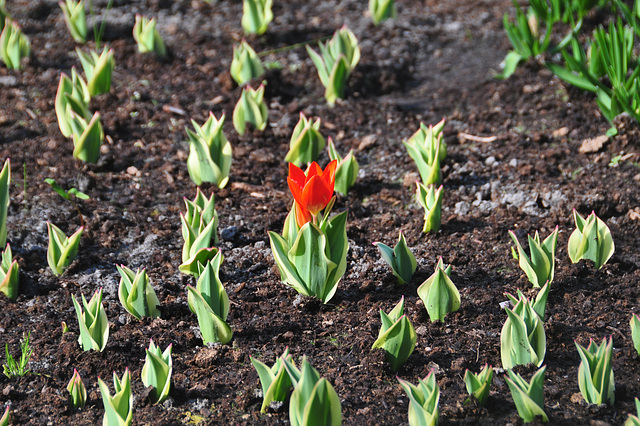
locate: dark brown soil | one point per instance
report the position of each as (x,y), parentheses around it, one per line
(436,60)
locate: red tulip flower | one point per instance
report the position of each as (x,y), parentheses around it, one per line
(312,191)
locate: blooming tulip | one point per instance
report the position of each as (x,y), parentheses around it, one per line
(312,191)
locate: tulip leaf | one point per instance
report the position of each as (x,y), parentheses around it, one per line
(288,273)
(212,327)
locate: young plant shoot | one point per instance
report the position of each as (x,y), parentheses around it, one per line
(540,266)
(251,109)
(438,293)
(423,400)
(9,275)
(77,391)
(209,301)
(397,337)
(62,250)
(634,420)
(118,409)
(528,397)
(381,10)
(274,380)
(427,149)
(14,45)
(199,230)
(430,199)
(209,152)
(256,16)
(402,261)
(147,36)
(97,70)
(72,96)
(337,58)
(539,305)
(76,19)
(590,240)
(347,170)
(93,323)
(522,340)
(4,420)
(18,368)
(635,332)
(478,385)
(136,294)
(313,402)
(595,375)
(306,142)
(311,253)
(5,182)
(156,372)
(87,136)
(246,64)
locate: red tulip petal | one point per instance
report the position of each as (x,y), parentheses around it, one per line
(316,195)
(302,215)
(329,174)
(313,170)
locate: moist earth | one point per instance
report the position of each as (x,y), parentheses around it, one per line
(513,164)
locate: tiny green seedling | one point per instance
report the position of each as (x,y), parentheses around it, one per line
(97,70)
(251,109)
(147,36)
(93,322)
(381,10)
(18,368)
(634,420)
(14,45)
(76,19)
(246,64)
(590,240)
(118,409)
(256,16)
(210,152)
(69,195)
(136,295)
(62,250)
(9,274)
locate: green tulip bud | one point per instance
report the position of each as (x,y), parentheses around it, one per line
(313,402)
(252,109)
(256,16)
(73,95)
(5,182)
(246,64)
(522,340)
(427,149)
(274,380)
(590,240)
(635,332)
(14,45)
(541,266)
(400,258)
(337,58)
(136,294)
(199,229)
(528,396)
(539,305)
(98,70)
(438,293)
(306,142)
(423,400)
(595,375)
(147,36)
(118,409)
(431,201)
(87,136)
(347,170)
(75,18)
(9,275)
(94,326)
(396,336)
(62,250)
(209,152)
(479,384)
(381,10)
(77,391)
(156,372)
(211,309)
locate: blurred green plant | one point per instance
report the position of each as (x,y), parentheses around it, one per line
(118,409)
(478,385)
(97,70)
(346,171)
(590,240)
(428,149)
(156,372)
(256,16)
(306,142)
(18,368)
(381,10)
(147,36)
(423,400)
(136,295)
(595,374)
(274,380)
(9,275)
(5,183)
(77,391)
(438,293)
(14,45)
(402,261)
(635,332)
(246,64)
(251,109)
(210,152)
(93,323)
(76,19)
(540,266)
(430,199)
(396,337)
(62,250)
